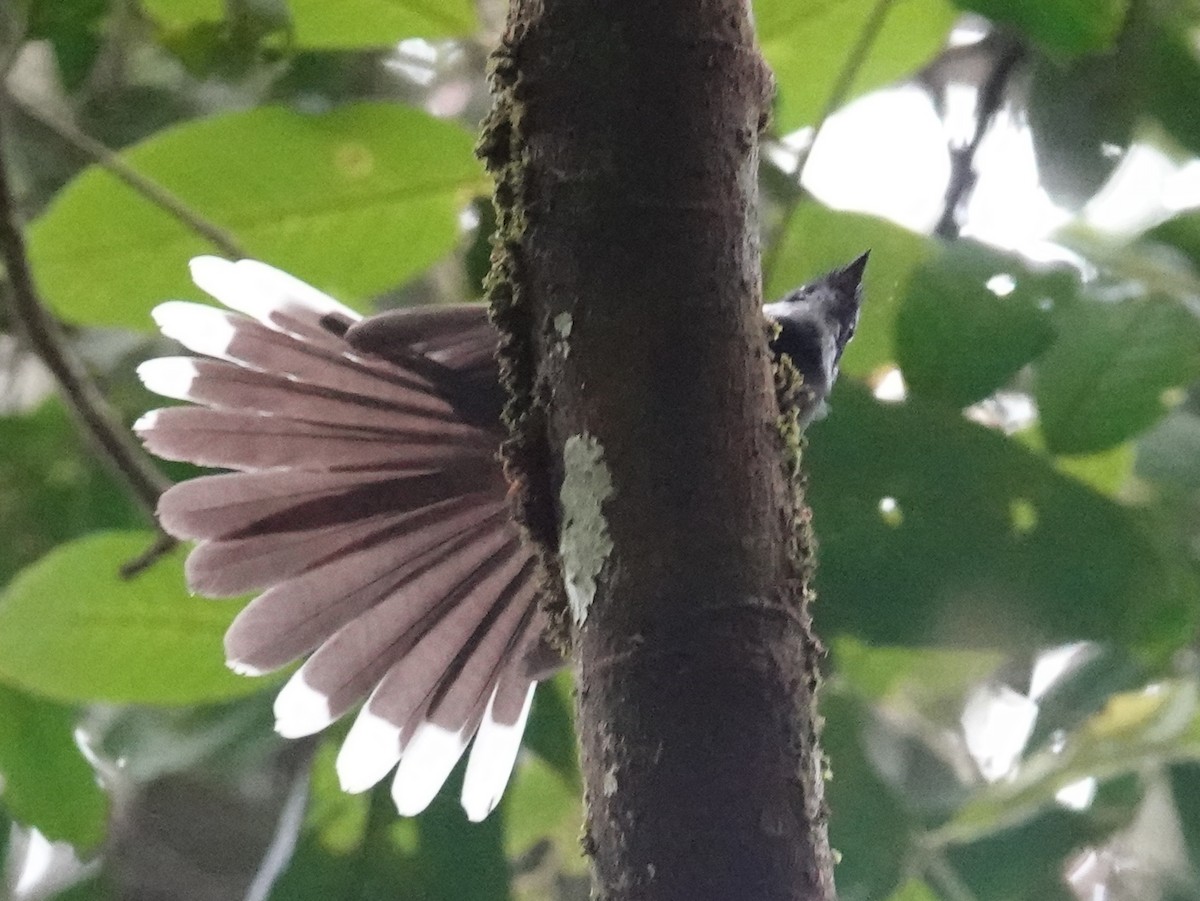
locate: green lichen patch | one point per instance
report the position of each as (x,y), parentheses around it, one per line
(585,544)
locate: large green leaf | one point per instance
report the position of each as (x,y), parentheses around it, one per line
(50,488)
(71,628)
(183,13)
(1082,116)
(935,530)
(354,201)
(868,827)
(1109,373)
(355,847)
(377,23)
(956,339)
(808,43)
(73,28)
(921,674)
(1181,232)
(44,779)
(816,239)
(1065,26)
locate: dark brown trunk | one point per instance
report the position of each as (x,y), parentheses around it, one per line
(647,443)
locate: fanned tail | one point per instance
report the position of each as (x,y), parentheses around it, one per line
(367,505)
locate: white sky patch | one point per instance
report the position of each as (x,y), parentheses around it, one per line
(996,723)
(1078,795)
(1002,284)
(890,387)
(884,154)
(584,544)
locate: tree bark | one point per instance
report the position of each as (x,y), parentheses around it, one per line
(647,450)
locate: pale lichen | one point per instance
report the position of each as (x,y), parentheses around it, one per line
(584,543)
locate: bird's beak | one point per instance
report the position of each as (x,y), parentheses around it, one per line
(849,278)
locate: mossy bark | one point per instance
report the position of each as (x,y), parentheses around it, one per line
(626,279)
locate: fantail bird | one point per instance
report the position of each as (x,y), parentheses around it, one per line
(369,508)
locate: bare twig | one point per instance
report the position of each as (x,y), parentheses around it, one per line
(40,329)
(837,98)
(106,159)
(1007,52)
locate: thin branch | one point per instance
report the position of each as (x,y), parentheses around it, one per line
(1008,52)
(106,159)
(40,329)
(851,66)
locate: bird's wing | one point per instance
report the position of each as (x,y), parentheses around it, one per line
(368,507)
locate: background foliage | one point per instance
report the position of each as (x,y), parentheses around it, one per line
(1009,596)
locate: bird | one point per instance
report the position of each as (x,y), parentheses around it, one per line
(365,506)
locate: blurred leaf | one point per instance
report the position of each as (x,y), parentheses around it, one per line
(1024,863)
(1082,116)
(378,23)
(354,847)
(1171,68)
(808,43)
(1181,232)
(45,781)
(1083,690)
(1104,378)
(73,28)
(816,239)
(1185,785)
(315,195)
(986,545)
(71,628)
(1063,26)
(1134,731)
(51,489)
(1106,471)
(551,730)
(867,826)
(875,673)
(913,890)
(1170,452)
(958,339)
(177,14)
(540,807)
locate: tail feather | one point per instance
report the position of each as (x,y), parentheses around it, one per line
(368,507)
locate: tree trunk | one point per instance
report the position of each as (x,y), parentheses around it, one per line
(647,448)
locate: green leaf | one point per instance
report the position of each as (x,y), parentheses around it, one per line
(45,781)
(71,628)
(1024,863)
(980,543)
(51,488)
(868,827)
(1063,26)
(913,890)
(540,807)
(73,28)
(925,674)
(1082,117)
(1170,62)
(354,846)
(816,239)
(377,23)
(957,339)
(176,14)
(551,730)
(1106,471)
(1181,232)
(808,43)
(1135,731)
(1110,372)
(1170,452)
(317,195)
